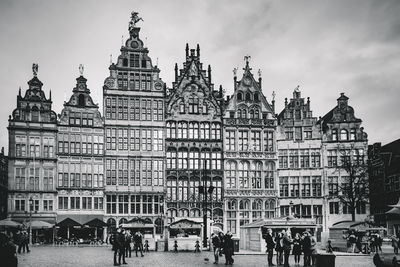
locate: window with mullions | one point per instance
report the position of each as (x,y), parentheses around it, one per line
(284,186)
(135,204)
(283,158)
(33,179)
(333,207)
(111,204)
(146,173)
(268,141)
(183,190)
(332,158)
(193,105)
(334,134)
(171,130)
(305,186)
(123,172)
(333,185)
(315,158)
(182,159)
(216,160)
(230,140)
(158,173)
(316,186)
(257,209)
(243,174)
(231,215)
(344,135)
(146,140)
(256,168)
(123,204)
(194,158)
(134,60)
(243,140)
(62,203)
(293,158)
(230,174)
(171,189)
(135,140)
(75,203)
(269,170)
(304,158)
(269,208)
(171,159)
(244,211)
(256,140)
(134,166)
(20,174)
(294,186)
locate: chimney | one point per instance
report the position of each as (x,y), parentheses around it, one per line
(209,72)
(176,72)
(198,50)
(187,50)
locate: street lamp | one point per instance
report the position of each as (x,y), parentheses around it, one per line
(30,219)
(205,191)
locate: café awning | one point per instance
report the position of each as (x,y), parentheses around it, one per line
(96,222)
(185,224)
(68,222)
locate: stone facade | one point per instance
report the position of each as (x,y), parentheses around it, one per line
(80,171)
(300,169)
(3,184)
(343,139)
(32,167)
(249,155)
(134,98)
(194,143)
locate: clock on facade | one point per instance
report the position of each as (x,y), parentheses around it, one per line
(247,80)
(158,86)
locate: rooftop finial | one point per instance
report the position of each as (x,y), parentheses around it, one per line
(134,19)
(235,71)
(157,62)
(122,40)
(110,59)
(259,73)
(247,59)
(273,95)
(35,68)
(297,89)
(81,69)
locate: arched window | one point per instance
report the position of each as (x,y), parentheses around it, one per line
(184,213)
(35,114)
(194,213)
(353,134)
(194,158)
(182,158)
(232,205)
(248,96)
(256,114)
(230,174)
(239,113)
(122,221)
(159,226)
(81,100)
(239,96)
(257,209)
(243,174)
(252,114)
(344,135)
(171,158)
(111,225)
(256,97)
(334,135)
(182,106)
(231,215)
(244,114)
(216,159)
(244,204)
(171,214)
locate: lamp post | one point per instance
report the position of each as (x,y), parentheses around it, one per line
(205,191)
(30,219)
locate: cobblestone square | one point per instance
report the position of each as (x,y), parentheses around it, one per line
(48,256)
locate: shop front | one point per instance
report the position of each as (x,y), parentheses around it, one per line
(87,229)
(144,226)
(252,235)
(184,234)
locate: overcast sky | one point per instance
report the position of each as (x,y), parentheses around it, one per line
(326,47)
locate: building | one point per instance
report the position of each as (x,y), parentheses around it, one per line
(384,180)
(134,129)
(80,171)
(343,142)
(3,184)
(250,187)
(300,170)
(32,165)
(194,171)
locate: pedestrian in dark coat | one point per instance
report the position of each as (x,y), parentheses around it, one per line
(287,247)
(279,248)
(216,245)
(228,249)
(297,249)
(127,244)
(138,238)
(270,246)
(306,244)
(8,251)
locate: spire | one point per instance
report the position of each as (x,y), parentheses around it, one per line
(50,95)
(110,59)
(273,101)
(247,59)
(198,50)
(259,78)
(209,72)
(187,50)
(81,69)
(19,91)
(176,71)
(235,78)
(35,68)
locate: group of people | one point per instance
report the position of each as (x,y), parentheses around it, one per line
(122,241)
(223,244)
(365,242)
(284,244)
(22,240)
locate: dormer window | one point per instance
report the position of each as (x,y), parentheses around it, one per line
(256,97)
(35,114)
(334,135)
(125,62)
(248,96)
(353,134)
(239,96)
(344,135)
(81,100)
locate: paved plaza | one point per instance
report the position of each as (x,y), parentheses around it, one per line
(49,256)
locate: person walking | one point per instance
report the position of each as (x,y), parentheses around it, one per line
(138,243)
(352,241)
(279,248)
(216,245)
(297,249)
(228,249)
(127,244)
(270,246)
(287,246)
